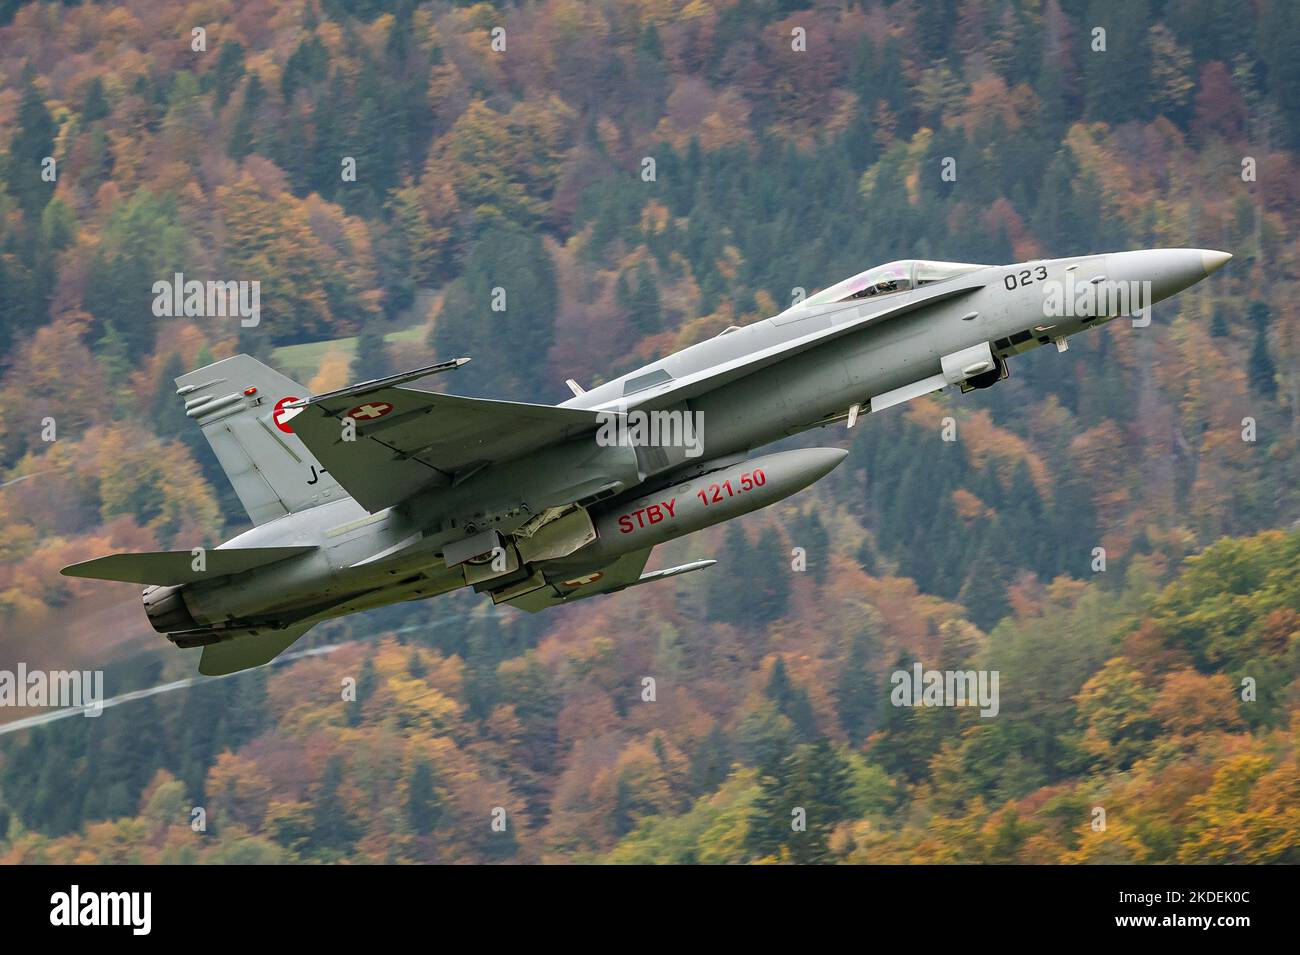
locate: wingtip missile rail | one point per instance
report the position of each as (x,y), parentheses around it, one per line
(374,384)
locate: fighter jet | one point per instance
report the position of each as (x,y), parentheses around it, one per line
(382,492)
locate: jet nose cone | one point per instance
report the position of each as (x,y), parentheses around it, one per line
(1164,272)
(1212,261)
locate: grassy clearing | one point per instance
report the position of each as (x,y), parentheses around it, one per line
(303,361)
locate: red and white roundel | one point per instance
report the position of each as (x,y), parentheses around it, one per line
(370,411)
(282,415)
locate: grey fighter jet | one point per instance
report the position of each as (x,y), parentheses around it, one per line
(381,492)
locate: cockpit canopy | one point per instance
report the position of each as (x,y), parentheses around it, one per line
(891,278)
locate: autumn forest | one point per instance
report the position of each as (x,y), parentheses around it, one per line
(1114,530)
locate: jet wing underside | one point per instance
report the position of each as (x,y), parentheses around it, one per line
(407,440)
(627,571)
(622,573)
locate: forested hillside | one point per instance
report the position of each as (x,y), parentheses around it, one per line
(1112,529)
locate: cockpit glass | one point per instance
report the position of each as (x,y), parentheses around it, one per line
(882,280)
(927,273)
(891,278)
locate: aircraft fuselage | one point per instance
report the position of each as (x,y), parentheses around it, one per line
(875,340)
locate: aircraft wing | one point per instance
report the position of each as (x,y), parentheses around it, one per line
(407,440)
(622,573)
(627,571)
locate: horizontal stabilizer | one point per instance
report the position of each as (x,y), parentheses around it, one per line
(248,651)
(169,567)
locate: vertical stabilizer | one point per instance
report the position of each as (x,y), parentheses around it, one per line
(238,402)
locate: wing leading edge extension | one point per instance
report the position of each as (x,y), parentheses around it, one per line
(675,390)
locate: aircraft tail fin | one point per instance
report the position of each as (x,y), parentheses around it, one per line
(238,403)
